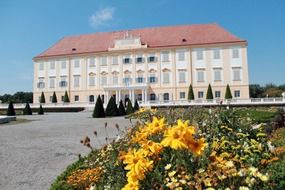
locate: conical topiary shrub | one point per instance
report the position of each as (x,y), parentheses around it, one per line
(11,110)
(228,94)
(27,110)
(42,98)
(122,110)
(136,106)
(209,95)
(54,98)
(99,109)
(191,93)
(112,109)
(66,98)
(41,110)
(130,108)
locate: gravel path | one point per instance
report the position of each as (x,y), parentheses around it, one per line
(32,154)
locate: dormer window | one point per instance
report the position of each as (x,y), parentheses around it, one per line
(126,60)
(139,59)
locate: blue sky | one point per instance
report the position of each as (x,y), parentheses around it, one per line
(29,27)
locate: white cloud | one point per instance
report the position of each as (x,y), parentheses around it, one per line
(102,17)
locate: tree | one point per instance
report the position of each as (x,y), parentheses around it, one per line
(98,111)
(66,98)
(41,110)
(27,110)
(191,93)
(136,106)
(54,98)
(256,91)
(112,109)
(122,110)
(130,108)
(11,110)
(42,99)
(228,94)
(209,95)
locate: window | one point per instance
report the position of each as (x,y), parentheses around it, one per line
(199,55)
(152,97)
(217,74)
(126,60)
(91,98)
(62,98)
(182,95)
(115,79)
(200,94)
(76,63)
(235,53)
(152,78)
(216,54)
(151,59)
(52,82)
(165,77)
(103,80)
(139,60)
(52,65)
(127,80)
(92,62)
(140,97)
(76,98)
(63,83)
(200,76)
(236,93)
(181,55)
(91,80)
(115,60)
(63,64)
(165,56)
(236,74)
(140,79)
(76,81)
(41,83)
(41,66)
(217,94)
(182,76)
(166,96)
(104,61)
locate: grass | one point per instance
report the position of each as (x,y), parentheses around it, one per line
(260,115)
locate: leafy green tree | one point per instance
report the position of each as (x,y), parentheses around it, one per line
(66,98)
(209,95)
(11,110)
(54,98)
(136,106)
(228,94)
(191,93)
(27,110)
(256,91)
(98,111)
(42,99)
(112,109)
(41,110)
(122,110)
(130,108)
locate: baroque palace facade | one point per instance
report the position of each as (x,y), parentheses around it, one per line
(150,65)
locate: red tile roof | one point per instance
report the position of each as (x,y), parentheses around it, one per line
(153,37)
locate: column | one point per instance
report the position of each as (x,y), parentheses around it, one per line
(133,96)
(145,96)
(117,98)
(107,97)
(143,100)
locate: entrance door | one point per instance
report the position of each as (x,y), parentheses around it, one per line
(126,99)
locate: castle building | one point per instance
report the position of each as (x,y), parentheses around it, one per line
(151,65)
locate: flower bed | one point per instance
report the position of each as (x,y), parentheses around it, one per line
(178,149)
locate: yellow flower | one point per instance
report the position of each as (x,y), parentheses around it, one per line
(151,147)
(137,163)
(171,174)
(197,146)
(174,138)
(167,167)
(243,188)
(131,186)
